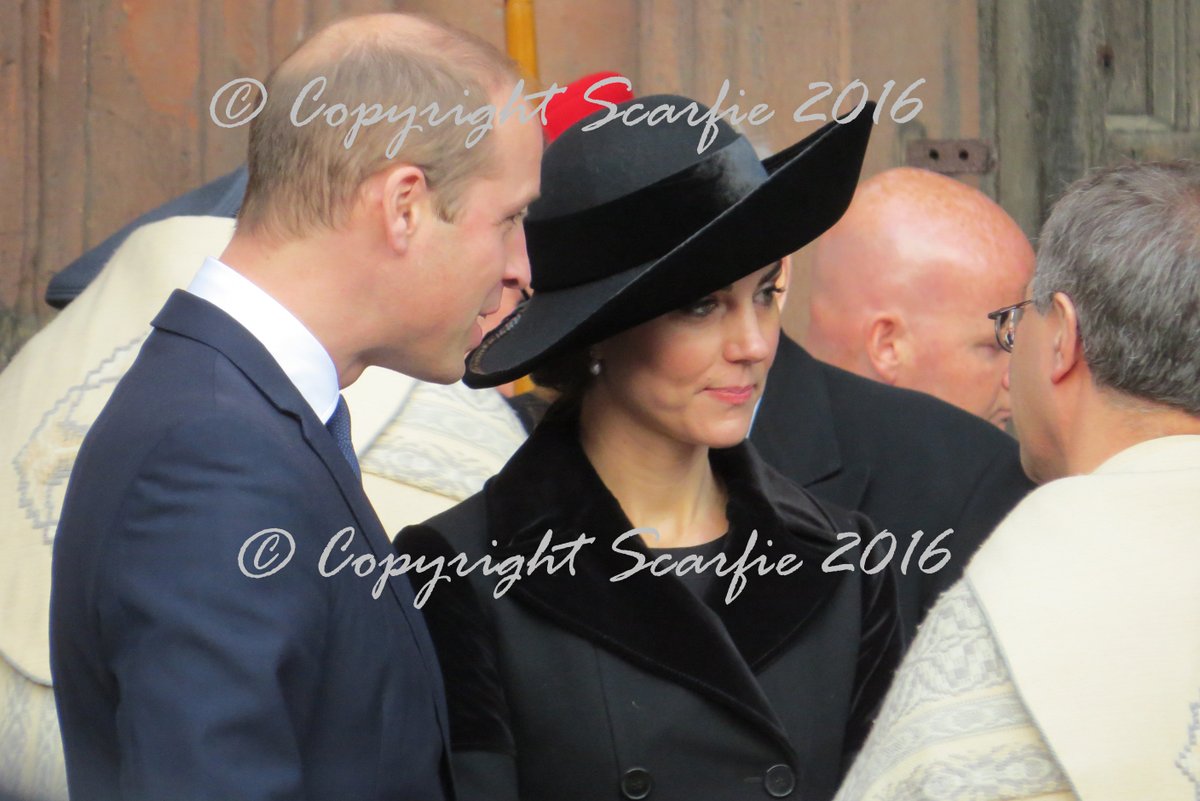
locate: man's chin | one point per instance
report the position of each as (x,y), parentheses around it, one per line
(450,375)
(447,372)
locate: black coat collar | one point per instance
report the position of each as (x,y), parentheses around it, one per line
(795,429)
(713,647)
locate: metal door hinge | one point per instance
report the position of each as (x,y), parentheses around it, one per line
(950,156)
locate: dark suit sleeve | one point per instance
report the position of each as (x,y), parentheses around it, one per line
(481,740)
(213,669)
(881,646)
(1001,486)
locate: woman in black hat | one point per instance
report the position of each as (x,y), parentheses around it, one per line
(636,606)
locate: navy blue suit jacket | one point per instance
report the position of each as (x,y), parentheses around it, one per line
(177,675)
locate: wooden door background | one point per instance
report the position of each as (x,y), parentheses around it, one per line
(1074,84)
(104,103)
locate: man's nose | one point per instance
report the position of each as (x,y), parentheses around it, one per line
(516,269)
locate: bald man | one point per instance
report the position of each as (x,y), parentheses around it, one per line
(902,285)
(901,295)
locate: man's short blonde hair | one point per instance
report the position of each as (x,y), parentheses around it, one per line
(304,176)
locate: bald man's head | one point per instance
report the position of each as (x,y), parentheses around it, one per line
(902,286)
(305,164)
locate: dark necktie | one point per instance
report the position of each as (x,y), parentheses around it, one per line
(339,426)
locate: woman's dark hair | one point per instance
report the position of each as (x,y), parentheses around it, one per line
(568,375)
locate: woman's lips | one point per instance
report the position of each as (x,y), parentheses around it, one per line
(732,395)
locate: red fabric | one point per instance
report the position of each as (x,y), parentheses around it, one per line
(564,110)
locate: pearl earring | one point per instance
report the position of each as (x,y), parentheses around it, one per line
(595,367)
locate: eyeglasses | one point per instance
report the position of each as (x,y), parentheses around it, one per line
(1006,320)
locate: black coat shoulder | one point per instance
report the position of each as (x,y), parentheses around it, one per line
(907,460)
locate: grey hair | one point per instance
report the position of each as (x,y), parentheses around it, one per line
(1124,245)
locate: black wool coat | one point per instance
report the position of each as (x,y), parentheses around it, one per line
(907,460)
(572,686)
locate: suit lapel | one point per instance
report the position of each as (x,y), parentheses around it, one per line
(712,647)
(795,430)
(187,315)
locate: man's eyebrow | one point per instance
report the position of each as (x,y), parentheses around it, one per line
(521,208)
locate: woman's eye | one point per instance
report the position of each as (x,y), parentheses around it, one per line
(701,308)
(768,294)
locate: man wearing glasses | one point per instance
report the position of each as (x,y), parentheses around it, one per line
(1006,320)
(1066,663)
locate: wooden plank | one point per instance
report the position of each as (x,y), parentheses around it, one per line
(288,25)
(30,308)
(1017,136)
(572,44)
(14,167)
(349,8)
(143,117)
(322,13)
(1189,116)
(484,18)
(1069,88)
(667,34)
(1153,146)
(62,132)
(1165,59)
(17,175)
(988,86)
(1192,71)
(711,55)
(234,43)
(1127,35)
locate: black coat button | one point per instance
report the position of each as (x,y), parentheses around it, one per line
(636,783)
(779,781)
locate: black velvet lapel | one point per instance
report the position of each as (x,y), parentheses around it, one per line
(195,318)
(655,621)
(771,609)
(794,429)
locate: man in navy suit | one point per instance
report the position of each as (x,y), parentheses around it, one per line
(221,625)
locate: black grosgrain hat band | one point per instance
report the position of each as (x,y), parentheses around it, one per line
(680,205)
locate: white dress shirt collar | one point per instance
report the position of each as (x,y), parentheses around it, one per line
(302,358)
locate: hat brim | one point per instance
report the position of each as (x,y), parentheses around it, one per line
(808,188)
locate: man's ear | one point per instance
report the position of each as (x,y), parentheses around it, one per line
(1068,347)
(405,201)
(887,345)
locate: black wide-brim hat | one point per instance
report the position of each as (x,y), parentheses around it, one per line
(635,221)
